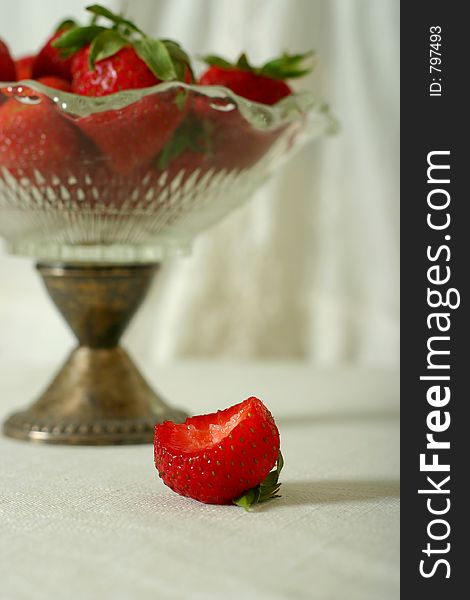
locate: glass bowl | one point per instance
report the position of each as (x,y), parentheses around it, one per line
(135,176)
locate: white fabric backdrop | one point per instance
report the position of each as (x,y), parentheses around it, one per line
(309,269)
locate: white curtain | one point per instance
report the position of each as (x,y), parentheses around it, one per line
(308,269)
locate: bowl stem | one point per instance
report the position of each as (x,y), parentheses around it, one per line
(98,396)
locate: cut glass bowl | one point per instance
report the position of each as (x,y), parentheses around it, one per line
(135,176)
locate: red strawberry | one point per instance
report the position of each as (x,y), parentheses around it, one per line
(36,137)
(218,457)
(260,84)
(109,60)
(214,139)
(144,126)
(189,149)
(7,66)
(50,60)
(253,87)
(236,144)
(132,136)
(56,83)
(122,71)
(24,67)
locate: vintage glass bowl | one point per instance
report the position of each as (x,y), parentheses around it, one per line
(100,190)
(112,193)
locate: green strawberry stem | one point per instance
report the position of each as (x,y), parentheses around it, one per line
(287,66)
(266,490)
(165,58)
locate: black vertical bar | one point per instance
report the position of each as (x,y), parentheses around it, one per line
(434,123)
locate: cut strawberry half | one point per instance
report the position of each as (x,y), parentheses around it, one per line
(223,457)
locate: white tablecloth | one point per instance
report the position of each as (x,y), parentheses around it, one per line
(97,523)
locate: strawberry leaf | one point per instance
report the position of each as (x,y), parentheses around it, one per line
(243,64)
(106,44)
(101,11)
(270,479)
(248,499)
(266,490)
(181,60)
(156,56)
(217,61)
(287,66)
(64,25)
(77,37)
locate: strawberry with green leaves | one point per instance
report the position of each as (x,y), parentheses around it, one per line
(265,84)
(222,458)
(237,145)
(106,60)
(7,65)
(232,142)
(50,61)
(121,71)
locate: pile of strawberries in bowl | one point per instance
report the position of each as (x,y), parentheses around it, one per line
(110,110)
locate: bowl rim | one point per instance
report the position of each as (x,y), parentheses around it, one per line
(291,108)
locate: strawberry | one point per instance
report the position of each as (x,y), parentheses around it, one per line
(7,66)
(222,457)
(132,136)
(189,149)
(56,83)
(214,139)
(125,70)
(122,71)
(36,137)
(24,67)
(236,144)
(109,60)
(264,84)
(42,148)
(49,60)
